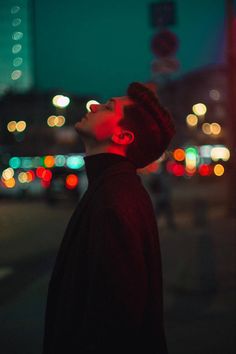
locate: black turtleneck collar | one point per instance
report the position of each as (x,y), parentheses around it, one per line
(96,164)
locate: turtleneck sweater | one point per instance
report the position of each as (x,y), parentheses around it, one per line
(95,165)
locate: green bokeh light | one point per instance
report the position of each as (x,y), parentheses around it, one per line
(15,162)
(75,162)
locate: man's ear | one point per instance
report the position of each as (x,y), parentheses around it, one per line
(124,137)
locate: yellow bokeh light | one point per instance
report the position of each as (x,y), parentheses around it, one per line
(206,128)
(51,121)
(11,126)
(10,183)
(88,104)
(199,109)
(219,170)
(22,177)
(215,128)
(192,120)
(220,152)
(60,121)
(190,170)
(60,101)
(8,173)
(20,126)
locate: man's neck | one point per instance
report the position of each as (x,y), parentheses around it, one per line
(89,150)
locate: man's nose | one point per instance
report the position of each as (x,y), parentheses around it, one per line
(94,107)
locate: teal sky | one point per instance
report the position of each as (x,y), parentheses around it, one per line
(98,47)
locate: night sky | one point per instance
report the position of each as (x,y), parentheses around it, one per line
(98,47)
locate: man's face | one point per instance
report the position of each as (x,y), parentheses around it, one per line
(103,119)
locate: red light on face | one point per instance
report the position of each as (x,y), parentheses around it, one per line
(178,170)
(205,170)
(71,181)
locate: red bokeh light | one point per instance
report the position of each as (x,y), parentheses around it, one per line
(30,175)
(47,175)
(72,181)
(39,171)
(178,170)
(205,170)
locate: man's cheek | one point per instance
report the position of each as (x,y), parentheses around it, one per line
(103,131)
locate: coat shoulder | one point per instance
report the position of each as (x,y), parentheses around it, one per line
(125,192)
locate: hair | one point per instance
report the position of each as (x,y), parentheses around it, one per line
(151,124)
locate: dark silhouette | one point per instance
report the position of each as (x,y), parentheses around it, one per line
(105,294)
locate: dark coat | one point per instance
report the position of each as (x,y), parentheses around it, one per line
(105,294)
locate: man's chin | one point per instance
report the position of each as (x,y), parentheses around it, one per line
(78,127)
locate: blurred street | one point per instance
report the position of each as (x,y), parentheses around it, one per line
(199,269)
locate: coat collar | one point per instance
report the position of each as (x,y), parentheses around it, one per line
(122,167)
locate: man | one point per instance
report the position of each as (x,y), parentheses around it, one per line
(105,294)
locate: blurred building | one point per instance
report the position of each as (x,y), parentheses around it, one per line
(32,125)
(207,87)
(16,42)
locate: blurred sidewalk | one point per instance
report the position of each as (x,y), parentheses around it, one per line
(199,270)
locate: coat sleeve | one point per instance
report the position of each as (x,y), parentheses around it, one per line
(117,292)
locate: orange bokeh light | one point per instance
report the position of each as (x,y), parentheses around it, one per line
(49,161)
(179,154)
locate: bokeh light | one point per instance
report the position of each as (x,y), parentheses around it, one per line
(39,171)
(47,175)
(16,74)
(199,109)
(214,95)
(179,154)
(60,160)
(75,162)
(60,121)
(191,158)
(60,101)
(215,128)
(205,170)
(16,48)
(30,176)
(16,36)
(88,104)
(206,128)
(49,161)
(220,152)
(51,121)
(219,170)
(17,61)
(22,177)
(20,126)
(11,126)
(10,183)
(178,170)
(71,181)
(192,120)
(16,22)
(27,162)
(15,162)
(8,173)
